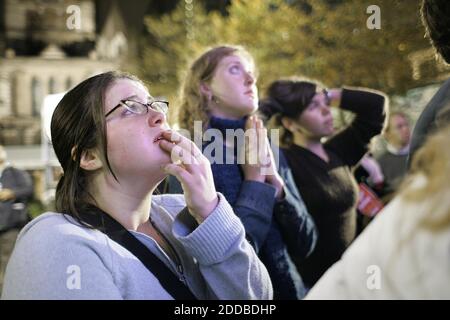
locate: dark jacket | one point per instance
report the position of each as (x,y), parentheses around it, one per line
(13,213)
(329,189)
(435,115)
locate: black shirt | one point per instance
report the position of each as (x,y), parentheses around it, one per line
(329,189)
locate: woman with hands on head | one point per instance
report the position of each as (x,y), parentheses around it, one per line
(220,91)
(323,169)
(114,145)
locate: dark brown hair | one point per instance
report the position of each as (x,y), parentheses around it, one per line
(287,98)
(436,19)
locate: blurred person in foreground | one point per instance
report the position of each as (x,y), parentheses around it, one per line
(404,253)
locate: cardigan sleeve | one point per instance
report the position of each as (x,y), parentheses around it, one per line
(230,266)
(56,261)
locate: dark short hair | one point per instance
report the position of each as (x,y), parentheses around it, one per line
(78,124)
(287,98)
(436,19)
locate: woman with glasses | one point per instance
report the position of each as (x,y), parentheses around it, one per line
(220,90)
(323,170)
(110,237)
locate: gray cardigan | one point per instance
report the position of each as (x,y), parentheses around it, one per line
(55,258)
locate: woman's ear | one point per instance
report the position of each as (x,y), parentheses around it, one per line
(90,160)
(205,89)
(288,123)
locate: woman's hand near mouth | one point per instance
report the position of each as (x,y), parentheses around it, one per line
(193,170)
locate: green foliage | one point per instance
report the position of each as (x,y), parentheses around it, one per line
(35,208)
(329,42)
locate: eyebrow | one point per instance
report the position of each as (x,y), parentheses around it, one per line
(130,98)
(234,62)
(134,96)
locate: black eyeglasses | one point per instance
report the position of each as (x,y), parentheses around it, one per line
(137,107)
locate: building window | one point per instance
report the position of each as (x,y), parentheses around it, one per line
(36,96)
(51,85)
(68,83)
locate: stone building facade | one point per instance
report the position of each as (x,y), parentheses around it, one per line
(46,47)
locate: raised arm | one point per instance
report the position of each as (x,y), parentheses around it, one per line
(370,110)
